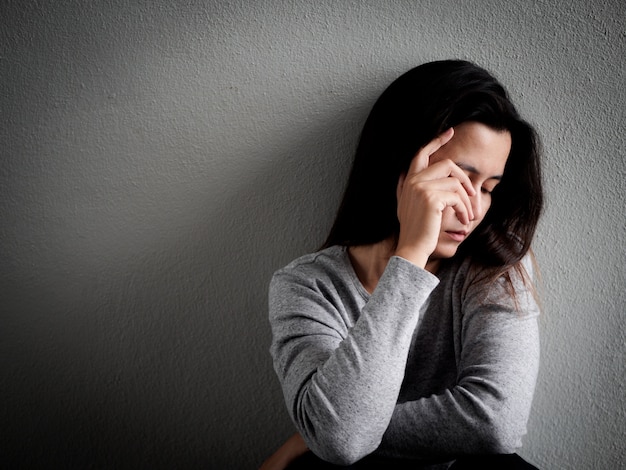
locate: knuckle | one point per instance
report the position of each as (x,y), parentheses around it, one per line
(430,197)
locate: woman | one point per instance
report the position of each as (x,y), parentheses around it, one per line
(411,337)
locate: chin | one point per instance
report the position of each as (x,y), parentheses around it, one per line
(443,253)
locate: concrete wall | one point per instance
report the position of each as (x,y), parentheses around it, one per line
(161,159)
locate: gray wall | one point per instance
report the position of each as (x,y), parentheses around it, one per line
(161,159)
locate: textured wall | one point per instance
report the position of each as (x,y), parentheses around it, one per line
(160,159)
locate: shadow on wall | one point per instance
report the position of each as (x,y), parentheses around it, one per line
(164,361)
(135,333)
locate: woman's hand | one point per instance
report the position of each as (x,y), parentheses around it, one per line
(293,448)
(423,194)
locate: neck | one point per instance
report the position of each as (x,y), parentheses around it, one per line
(369,262)
(432,266)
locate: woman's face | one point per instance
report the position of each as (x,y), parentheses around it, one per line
(482,153)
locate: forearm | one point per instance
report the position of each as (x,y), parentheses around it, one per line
(342,390)
(487,410)
(454,423)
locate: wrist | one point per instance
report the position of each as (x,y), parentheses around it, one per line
(415,256)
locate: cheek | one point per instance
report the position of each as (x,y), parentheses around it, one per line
(485,205)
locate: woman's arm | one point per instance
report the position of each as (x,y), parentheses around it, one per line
(341,380)
(488,408)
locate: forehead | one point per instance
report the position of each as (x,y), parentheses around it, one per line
(478,146)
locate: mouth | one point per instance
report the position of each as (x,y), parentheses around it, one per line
(457,236)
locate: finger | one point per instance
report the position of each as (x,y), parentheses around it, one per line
(462,192)
(459,188)
(422,158)
(454,200)
(452,185)
(440,171)
(445,168)
(457,172)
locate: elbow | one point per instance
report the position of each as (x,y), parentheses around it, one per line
(339,447)
(337,438)
(499,437)
(336,431)
(343,457)
(497,444)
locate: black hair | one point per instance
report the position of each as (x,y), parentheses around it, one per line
(419,105)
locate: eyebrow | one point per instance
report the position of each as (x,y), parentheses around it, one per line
(472,169)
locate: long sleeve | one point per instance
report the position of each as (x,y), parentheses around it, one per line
(341,358)
(487,408)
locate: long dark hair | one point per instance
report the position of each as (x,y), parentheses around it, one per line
(415,108)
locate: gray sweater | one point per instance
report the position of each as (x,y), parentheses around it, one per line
(426,367)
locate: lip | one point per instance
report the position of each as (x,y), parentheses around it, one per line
(457,236)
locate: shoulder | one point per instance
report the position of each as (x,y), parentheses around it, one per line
(326,273)
(322,265)
(318,288)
